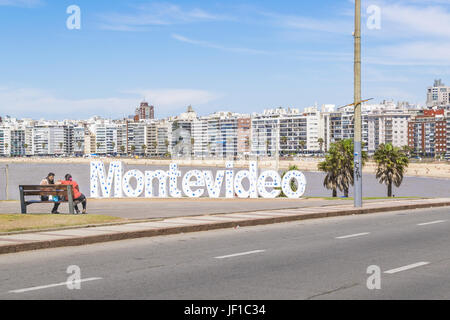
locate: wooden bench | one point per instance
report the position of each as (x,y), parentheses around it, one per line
(63,192)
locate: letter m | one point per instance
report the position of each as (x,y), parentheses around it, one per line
(99,179)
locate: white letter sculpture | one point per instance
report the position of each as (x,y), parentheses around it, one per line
(114,175)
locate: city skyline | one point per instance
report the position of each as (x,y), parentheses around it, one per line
(238,56)
(228,134)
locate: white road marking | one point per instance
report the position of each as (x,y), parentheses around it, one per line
(240,254)
(432,222)
(353,235)
(408,267)
(53,285)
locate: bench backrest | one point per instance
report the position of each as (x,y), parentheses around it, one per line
(61,191)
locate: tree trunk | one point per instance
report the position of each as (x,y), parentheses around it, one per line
(334,193)
(390,189)
(346,192)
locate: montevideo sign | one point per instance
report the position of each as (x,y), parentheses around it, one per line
(194,184)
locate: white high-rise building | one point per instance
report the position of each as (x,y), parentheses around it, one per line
(105,136)
(48,140)
(312,129)
(438,95)
(5,141)
(387,124)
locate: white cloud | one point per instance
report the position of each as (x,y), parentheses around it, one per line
(29,102)
(297,22)
(413,33)
(169,99)
(428,53)
(155,14)
(21,3)
(219,47)
(412,20)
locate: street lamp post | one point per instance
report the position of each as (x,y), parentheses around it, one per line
(357,102)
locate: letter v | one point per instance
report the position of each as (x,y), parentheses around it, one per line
(213,187)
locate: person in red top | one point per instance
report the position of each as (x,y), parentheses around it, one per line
(78,197)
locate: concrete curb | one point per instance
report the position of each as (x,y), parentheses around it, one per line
(153,232)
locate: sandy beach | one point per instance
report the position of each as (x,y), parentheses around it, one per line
(428,169)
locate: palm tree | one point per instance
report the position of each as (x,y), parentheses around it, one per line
(346,150)
(122,149)
(391,165)
(209,149)
(407,150)
(331,167)
(167,154)
(144,148)
(321,142)
(133,149)
(339,166)
(155,146)
(302,145)
(98,146)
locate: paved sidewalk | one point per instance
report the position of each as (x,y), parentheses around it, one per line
(143,208)
(82,236)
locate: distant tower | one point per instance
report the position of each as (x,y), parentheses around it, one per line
(145,112)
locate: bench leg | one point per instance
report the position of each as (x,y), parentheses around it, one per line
(23,206)
(70,199)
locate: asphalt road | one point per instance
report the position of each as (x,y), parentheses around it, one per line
(315,259)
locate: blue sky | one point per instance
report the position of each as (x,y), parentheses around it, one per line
(242,56)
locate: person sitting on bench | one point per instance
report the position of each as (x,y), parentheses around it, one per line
(77,195)
(49,180)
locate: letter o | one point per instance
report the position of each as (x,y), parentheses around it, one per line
(286,184)
(128,189)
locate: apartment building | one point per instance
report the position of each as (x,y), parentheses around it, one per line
(105,135)
(284,131)
(387,124)
(17,143)
(78,140)
(200,136)
(162,137)
(447,116)
(243,136)
(5,141)
(438,95)
(145,112)
(427,133)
